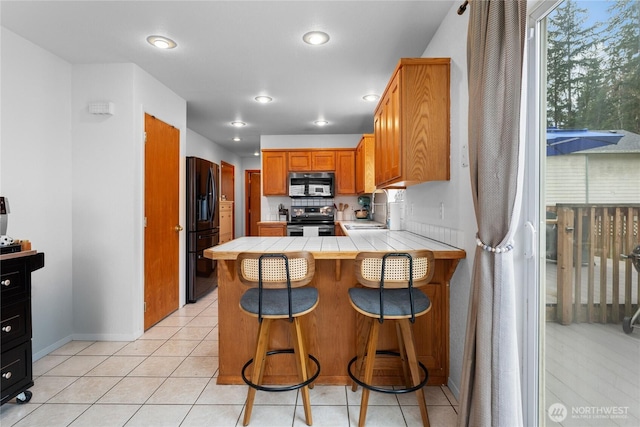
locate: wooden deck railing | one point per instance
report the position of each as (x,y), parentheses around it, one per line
(592,237)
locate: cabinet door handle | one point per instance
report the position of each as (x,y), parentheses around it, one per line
(6,282)
(6,375)
(6,328)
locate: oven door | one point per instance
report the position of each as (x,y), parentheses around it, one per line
(298,230)
(295,230)
(326,230)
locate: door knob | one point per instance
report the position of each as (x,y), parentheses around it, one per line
(178,228)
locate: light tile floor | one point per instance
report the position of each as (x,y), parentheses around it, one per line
(168,378)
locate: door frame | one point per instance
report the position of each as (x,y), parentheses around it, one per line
(533,216)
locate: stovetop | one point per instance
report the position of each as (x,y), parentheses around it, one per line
(311,215)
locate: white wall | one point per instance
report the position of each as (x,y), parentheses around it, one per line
(75,185)
(423,200)
(108,196)
(36,177)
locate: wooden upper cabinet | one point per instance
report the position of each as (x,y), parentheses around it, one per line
(365,165)
(345,172)
(312,160)
(412,124)
(300,161)
(274,173)
(323,160)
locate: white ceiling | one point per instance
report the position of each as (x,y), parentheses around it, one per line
(231,51)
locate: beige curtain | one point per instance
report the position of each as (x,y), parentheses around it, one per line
(490,389)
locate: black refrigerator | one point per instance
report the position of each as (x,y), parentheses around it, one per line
(203,230)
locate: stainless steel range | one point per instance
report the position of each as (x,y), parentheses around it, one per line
(311,221)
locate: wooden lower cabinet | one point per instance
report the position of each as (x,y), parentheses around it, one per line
(272,228)
(226,221)
(332,329)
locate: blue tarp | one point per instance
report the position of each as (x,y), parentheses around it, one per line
(565,141)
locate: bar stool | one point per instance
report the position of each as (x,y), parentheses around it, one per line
(277,292)
(389,293)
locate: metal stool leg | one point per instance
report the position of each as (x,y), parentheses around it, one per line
(258,366)
(409,343)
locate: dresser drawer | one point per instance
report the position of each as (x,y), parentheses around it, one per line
(13,281)
(16,322)
(16,374)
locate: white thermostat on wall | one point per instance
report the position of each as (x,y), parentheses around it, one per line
(101,108)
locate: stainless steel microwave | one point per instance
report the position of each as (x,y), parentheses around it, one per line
(311,184)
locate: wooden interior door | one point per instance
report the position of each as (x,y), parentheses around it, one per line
(161,207)
(252,201)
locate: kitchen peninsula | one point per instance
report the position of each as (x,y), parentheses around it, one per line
(333,327)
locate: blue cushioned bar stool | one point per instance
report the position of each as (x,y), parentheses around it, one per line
(277,292)
(389,293)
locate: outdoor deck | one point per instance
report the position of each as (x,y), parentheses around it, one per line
(593,368)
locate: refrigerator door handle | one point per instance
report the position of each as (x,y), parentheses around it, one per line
(211,190)
(206,236)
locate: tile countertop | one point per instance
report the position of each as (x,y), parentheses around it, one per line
(336,247)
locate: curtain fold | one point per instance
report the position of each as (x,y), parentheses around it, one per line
(490,389)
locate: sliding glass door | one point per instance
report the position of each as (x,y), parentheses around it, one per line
(581,350)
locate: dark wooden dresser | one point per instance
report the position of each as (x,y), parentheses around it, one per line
(15,334)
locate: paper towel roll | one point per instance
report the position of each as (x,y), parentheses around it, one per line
(395,213)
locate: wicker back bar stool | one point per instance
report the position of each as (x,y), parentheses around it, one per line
(278,291)
(390,293)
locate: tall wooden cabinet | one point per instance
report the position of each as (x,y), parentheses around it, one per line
(411,124)
(226,221)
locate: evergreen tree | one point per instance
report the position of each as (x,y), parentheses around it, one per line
(569,59)
(623,64)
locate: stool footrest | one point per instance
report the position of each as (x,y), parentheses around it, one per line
(386,390)
(281,388)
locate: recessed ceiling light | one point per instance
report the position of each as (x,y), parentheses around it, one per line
(371,97)
(161,42)
(238,124)
(315,37)
(237,139)
(256,154)
(321,123)
(263,99)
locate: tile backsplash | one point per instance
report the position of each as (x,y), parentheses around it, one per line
(446,235)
